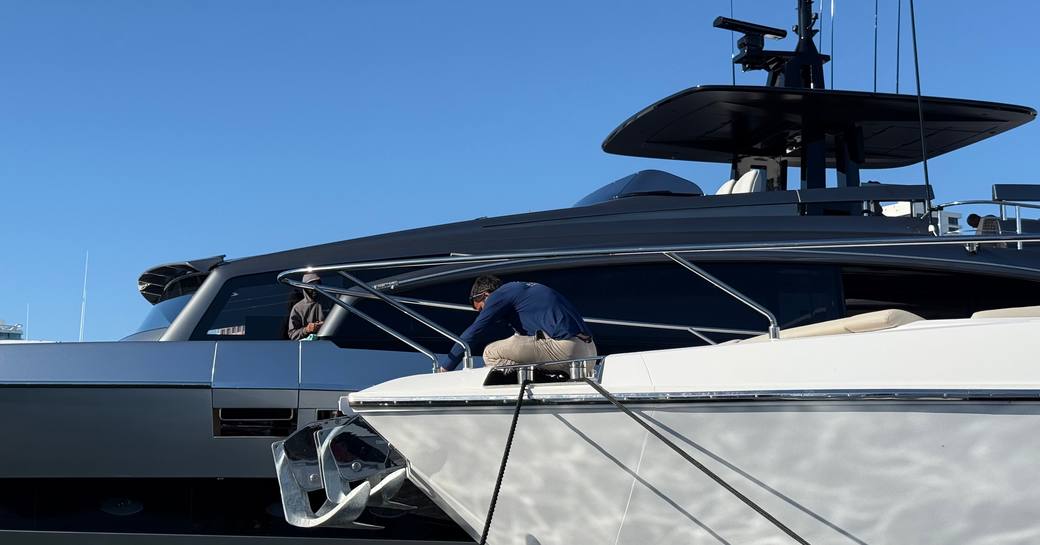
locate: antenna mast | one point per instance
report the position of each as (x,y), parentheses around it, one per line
(819,19)
(732,48)
(806,18)
(83,305)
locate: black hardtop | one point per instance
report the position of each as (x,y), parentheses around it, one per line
(714,123)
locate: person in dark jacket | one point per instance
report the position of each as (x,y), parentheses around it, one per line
(306,316)
(546,325)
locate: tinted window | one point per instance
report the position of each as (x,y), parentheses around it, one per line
(656,292)
(162,314)
(933,294)
(254,307)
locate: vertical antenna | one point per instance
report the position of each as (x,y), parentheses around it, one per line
(875,44)
(26,332)
(732,48)
(920,111)
(899,33)
(83,305)
(834,25)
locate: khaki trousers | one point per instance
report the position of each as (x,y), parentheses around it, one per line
(524,349)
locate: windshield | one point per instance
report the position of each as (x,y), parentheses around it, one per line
(161,315)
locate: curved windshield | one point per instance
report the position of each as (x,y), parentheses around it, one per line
(160,316)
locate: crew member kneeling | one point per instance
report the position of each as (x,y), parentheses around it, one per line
(547,326)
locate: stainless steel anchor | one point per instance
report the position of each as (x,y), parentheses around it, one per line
(307,461)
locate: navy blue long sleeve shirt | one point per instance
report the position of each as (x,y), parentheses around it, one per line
(528,308)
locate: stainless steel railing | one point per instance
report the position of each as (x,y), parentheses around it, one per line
(674,253)
(1002,206)
(697,331)
(774,327)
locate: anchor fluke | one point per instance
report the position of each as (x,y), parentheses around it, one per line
(322,456)
(387,488)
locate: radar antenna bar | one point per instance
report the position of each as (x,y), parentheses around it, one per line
(801,68)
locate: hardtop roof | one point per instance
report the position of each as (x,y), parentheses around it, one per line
(715,123)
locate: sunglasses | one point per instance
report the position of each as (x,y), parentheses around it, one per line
(478,297)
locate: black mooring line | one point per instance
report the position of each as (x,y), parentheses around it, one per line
(613,400)
(505,459)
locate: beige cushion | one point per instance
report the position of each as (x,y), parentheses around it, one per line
(861,323)
(1014,312)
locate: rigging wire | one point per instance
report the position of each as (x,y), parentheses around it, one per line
(875,43)
(920,113)
(899,33)
(694,462)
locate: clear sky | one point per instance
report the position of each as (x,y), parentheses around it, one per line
(155,131)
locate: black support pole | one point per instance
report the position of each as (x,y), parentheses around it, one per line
(920,114)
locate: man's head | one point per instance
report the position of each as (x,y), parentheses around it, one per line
(973,220)
(483,286)
(311,278)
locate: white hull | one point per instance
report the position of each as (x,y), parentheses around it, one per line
(835,472)
(908,470)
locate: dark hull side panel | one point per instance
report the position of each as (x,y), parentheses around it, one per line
(121,432)
(150,511)
(171,409)
(188,511)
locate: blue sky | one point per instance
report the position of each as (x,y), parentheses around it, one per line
(148,132)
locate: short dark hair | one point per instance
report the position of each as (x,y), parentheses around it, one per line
(484,284)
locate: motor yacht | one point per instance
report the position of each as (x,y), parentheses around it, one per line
(214,345)
(881,428)
(846,399)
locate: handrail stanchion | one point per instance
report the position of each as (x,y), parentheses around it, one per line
(413,315)
(774,328)
(1018,223)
